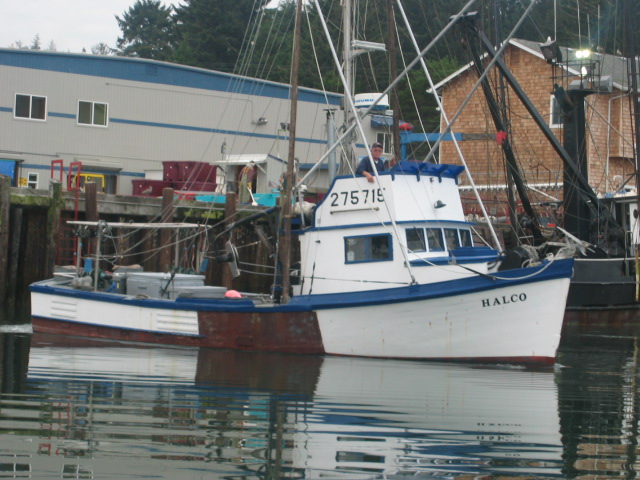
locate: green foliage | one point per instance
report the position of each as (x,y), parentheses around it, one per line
(211,33)
(245,37)
(148,31)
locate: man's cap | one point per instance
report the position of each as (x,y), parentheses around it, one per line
(376,145)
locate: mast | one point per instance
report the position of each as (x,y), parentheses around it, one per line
(393,73)
(289,179)
(348,72)
(631,53)
(513,170)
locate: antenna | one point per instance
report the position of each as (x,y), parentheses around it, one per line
(555,20)
(579,33)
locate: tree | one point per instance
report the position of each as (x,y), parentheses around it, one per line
(211,32)
(148,31)
(36,44)
(101,49)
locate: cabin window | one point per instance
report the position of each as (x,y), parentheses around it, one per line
(555,117)
(367,248)
(31,107)
(92,113)
(416,240)
(32,180)
(451,238)
(434,239)
(465,238)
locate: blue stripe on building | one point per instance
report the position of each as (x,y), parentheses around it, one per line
(151,71)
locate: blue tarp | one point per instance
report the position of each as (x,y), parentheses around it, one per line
(8,168)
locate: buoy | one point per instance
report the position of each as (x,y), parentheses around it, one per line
(232,294)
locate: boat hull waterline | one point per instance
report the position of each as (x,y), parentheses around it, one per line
(513,317)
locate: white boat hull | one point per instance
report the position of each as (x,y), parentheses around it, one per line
(507,319)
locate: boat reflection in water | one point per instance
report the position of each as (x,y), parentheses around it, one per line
(113,411)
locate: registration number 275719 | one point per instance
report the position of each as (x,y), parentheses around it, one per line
(356,197)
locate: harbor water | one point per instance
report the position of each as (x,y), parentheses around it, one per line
(72,408)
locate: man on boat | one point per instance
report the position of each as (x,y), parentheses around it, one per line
(364,166)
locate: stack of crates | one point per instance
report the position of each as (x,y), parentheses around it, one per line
(186,177)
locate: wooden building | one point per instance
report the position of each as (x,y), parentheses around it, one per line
(609,142)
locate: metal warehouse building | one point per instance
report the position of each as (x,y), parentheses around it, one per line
(121,118)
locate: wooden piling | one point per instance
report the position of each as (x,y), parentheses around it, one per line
(5,199)
(14,259)
(166,236)
(91,212)
(229,217)
(53,225)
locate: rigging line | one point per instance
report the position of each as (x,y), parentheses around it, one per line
(413,96)
(247,48)
(315,56)
(358,121)
(261,69)
(449,124)
(195,235)
(343,280)
(550,260)
(247,45)
(392,85)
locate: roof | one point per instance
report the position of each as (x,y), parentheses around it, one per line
(157,72)
(244,158)
(612,65)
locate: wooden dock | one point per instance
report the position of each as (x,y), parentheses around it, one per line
(34,237)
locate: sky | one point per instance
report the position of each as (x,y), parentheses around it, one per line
(71,24)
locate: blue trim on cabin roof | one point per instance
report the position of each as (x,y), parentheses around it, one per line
(444,223)
(152,71)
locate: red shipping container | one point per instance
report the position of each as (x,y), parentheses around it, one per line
(170,171)
(184,170)
(204,173)
(196,171)
(149,188)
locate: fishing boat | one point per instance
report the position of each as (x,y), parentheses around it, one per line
(387,268)
(595,204)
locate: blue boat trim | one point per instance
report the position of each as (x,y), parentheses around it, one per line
(309,303)
(480,283)
(452,260)
(444,223)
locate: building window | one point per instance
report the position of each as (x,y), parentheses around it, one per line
(555,117)
(30,106)
(92,113)
(32,180)
(367,248)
